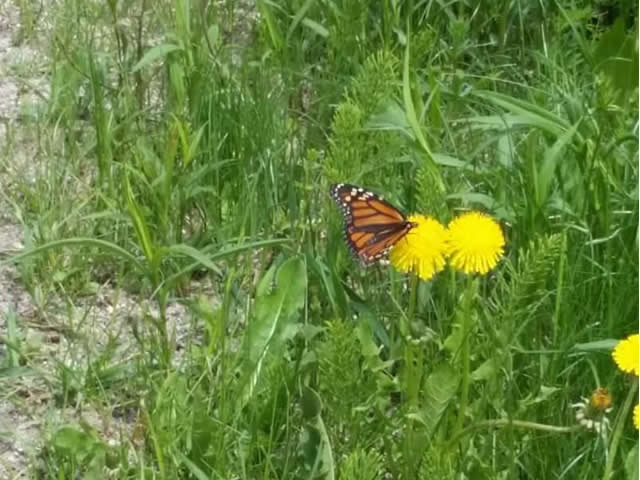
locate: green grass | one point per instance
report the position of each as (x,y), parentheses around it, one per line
(184,157)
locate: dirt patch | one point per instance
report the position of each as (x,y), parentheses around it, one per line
(19,422)
(61,334)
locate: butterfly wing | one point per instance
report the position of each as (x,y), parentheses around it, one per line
(372,225)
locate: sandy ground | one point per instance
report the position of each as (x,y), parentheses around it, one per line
(20,422)
(61,334)
(29,412)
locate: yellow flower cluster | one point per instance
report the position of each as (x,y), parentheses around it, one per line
(473,243)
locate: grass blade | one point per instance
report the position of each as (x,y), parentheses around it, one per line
(529,112)
(409,106)
(77,242)
(548,168)
(159,51)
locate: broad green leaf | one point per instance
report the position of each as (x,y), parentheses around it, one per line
(440,387)
(311,404)
(71,439)
(272,312)
(364,332)
(84,448)
(159,51)
(453,342)
(266,282)
(486,370)
(316,447)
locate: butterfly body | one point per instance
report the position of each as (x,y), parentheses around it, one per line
(372,225)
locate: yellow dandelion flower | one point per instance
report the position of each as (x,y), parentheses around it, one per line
(626,354)
(423,250)
(476,243)
(635,417)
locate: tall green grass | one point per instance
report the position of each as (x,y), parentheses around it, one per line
(184,140)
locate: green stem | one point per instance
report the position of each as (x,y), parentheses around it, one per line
(621,420)
(505,422)
(465,350)
(160,325)
(406,330)
(413,299)
(412,378)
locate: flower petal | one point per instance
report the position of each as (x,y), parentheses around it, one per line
(625,355)
(476,243)
(423,250)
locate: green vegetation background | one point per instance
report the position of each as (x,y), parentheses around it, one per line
(184,140)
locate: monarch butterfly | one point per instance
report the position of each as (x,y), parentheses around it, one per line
(372,225)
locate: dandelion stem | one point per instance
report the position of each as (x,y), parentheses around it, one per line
(413,299)
(505,422)
(465,352)
(621,419)
(412,377)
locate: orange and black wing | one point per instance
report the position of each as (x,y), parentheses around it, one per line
(372,225)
